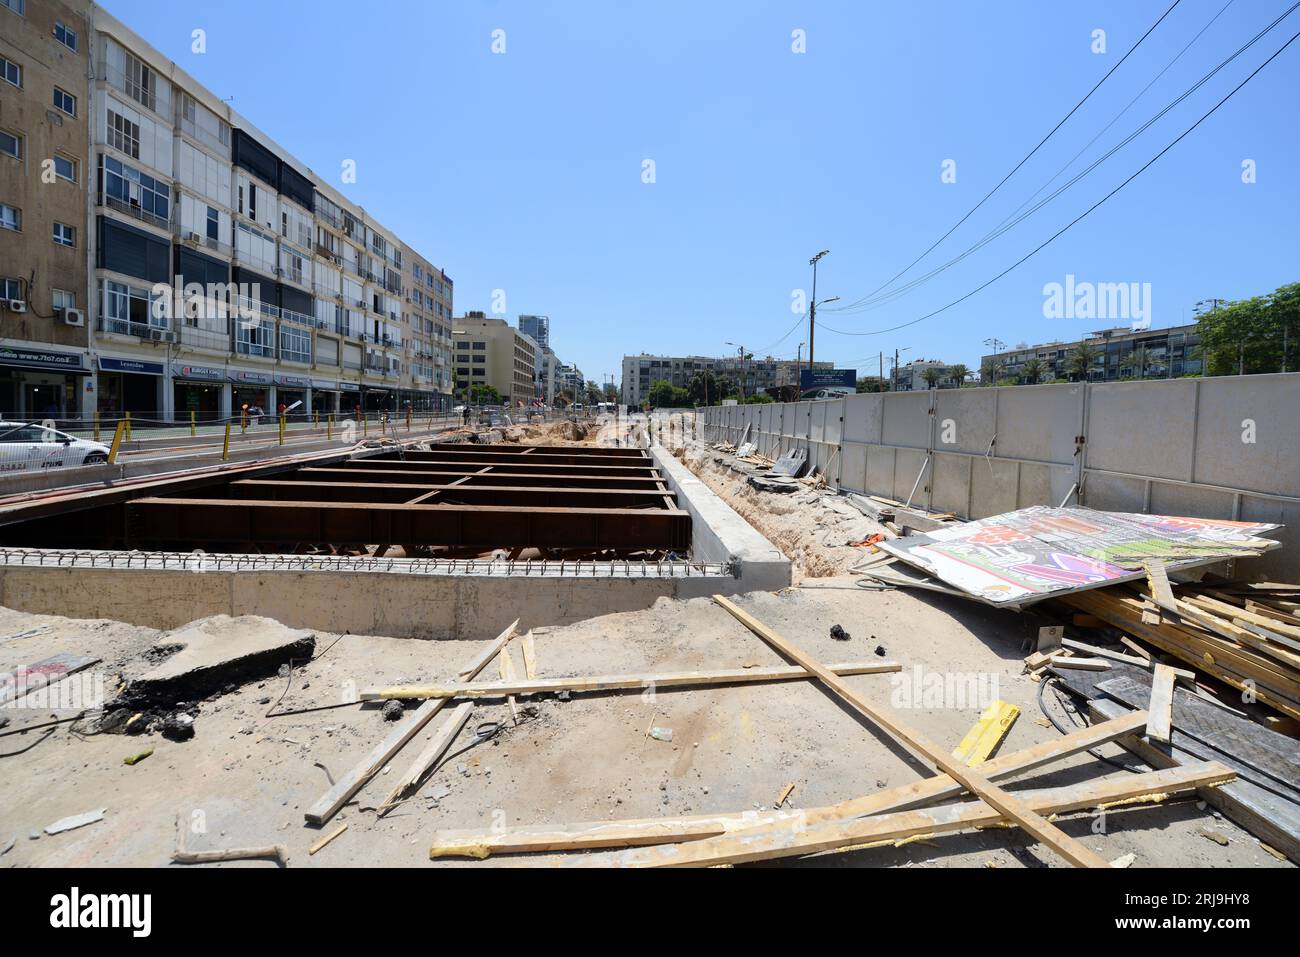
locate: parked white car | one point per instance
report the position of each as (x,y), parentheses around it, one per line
(31,447)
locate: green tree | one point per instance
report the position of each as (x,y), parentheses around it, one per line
(758,398)
(1080,360)
(960,373)
(703,389)
(484,395)
(1033,371)
(932,375)
(1140,360)
(1252,335)
(992,371)
(665,395)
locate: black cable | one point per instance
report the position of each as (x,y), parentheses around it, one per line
(1027,156)
(1090,209)
(1042,706)
(1017,217)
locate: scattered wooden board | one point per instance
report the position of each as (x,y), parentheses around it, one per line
(987,733)
(1160,710)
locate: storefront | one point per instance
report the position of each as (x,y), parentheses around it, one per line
(40,383)
(349,398)
(251,389)
(291,394)
(324,397)
(131,385)
(198,389)
(377,400)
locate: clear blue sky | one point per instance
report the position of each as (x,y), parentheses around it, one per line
(523,171)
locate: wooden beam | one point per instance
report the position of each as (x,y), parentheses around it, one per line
(427,758)
(628,682)
(793,840)
(1160,710)
(430,478)
(640,831)
(1021,814)
(352,782)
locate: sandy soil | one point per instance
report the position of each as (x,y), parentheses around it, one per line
(251,776)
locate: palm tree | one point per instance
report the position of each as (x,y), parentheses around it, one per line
(1138,357)
(932,375)
(960,373)
(1033,370)
(1081,359)
(993,370)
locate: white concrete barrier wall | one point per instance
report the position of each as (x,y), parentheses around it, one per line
(1226,447)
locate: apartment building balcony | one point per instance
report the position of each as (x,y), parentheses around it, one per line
(320,249)
(201,241)
(131,87)
(143,331)
(328,217)
(134,210)
(203,334)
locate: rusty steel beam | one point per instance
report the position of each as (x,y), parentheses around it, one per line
(498,474)
(488,454)
(194,521)
(516,464)
(502,494)
(532,450)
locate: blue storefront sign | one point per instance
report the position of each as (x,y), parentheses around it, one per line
(69,362)
(137,366)
(842,379)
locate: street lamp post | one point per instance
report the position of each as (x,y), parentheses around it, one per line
(812,308)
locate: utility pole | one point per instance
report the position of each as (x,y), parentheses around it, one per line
(812,307)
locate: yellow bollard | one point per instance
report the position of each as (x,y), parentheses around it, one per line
(225,446)
(193,431)
(329,427)
(243,422)
(96,425)
(128,426)
(282,430)
(122,426)
(315,420)
(408,419)
(365,427)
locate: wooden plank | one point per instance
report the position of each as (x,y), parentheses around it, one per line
(1133,646)
(1160,710)
(326,839)
(530,660)
(637,682)
(1158,582)
(794,840)
(1133,660)
(1270,818)
(1049,834)
(49,671)
(633,832)
(352,782)
(1080,664)
(506,668)
(434,750)
(986,734)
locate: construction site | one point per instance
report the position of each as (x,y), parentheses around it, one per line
(689,638)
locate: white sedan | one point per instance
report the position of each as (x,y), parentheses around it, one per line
(29,447)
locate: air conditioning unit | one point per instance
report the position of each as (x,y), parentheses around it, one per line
(194,238)
(169,337)
(17,305)
(73,317)
(156,335)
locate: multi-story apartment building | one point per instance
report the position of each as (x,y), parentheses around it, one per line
(1120,353)
(217,271)
(641,372)
(493,353)
(45,366)
(910,377)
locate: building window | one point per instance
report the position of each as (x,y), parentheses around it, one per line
(295,344)
(141,83)
(128,310)
(11,218)
(129,189)
(123,135)
(65,235)
(214,224)
(17,6)
(11,71)
(65,102)
(65,36)
(10,288)
(64,299)
(11,144)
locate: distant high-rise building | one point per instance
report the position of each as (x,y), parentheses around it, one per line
(538,327)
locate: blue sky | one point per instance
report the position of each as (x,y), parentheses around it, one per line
(522,171)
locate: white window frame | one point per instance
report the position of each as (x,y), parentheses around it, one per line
(17,69)
(11,217)
(70,161)
(68,98)
(68,33)
(18,145)
(65,234)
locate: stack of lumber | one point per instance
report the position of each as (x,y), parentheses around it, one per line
(1243,635)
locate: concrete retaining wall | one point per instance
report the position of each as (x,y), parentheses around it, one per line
(1226,447)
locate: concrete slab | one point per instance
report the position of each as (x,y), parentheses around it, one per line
(719,534)
(218,651)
